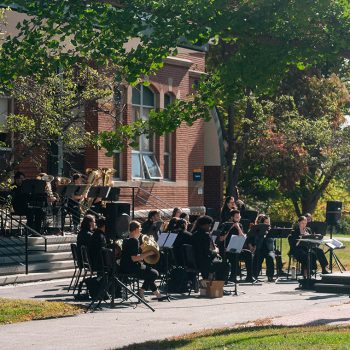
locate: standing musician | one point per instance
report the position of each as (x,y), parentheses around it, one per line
(73,202)
(300,252)
(229,204)
(264,248)
(149,227)
(246,253)
(132,262)
(207,255)
(19,199)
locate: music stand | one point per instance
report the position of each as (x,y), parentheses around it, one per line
(235,247)
(318,227)
(166,242)
(310,242)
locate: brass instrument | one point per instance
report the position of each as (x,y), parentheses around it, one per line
(93,178)
(63,180)
(148,243)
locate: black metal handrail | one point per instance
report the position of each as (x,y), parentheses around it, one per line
(27,231)
(153,196)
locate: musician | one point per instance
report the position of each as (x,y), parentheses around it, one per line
(172,224)
(264,249)
(246,253)
(96,243)
(308,217)
(300,252)
(183,237)
(132,262)
(19,199)
(176,213)
(73,202)
(86,231)
(206,254)
(229,204)
(150,227)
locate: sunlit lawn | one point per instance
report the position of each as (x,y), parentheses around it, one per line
(259,338)
(13,310)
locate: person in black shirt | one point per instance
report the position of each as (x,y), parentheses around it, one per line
(149,227)
(183,237)
(19,199)
(300,252)
(246,253)
(85,233)
(207,255)
(132,262)
(264,247)
(229,204)
(96,243)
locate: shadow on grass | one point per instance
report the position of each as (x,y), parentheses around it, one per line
(244,335)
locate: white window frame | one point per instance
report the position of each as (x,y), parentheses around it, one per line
(170,135)
(145,171)
(9,110)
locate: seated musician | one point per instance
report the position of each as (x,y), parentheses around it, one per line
(149,227)
(131,262)
(73,202)
(264,249)
(176,213)
(86,231)
(246,253)
(171,225)
(207,255)
(96,243)
(300,252)
(183,237)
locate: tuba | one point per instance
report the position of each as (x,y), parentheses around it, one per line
(148,243)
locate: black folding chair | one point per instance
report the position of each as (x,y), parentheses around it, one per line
(78,267)
(190,266)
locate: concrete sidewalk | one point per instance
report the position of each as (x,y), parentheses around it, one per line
(268,303)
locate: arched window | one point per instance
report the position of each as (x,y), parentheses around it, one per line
(144,163)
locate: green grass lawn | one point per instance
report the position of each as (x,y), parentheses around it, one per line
(13,310)
(258,338)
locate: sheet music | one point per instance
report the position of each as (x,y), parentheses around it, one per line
(216,225)
(170,241)
(162,238)
(236,244)
(333,243)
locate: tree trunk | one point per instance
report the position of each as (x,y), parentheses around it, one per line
(229,154)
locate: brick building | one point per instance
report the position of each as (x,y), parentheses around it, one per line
(180,169)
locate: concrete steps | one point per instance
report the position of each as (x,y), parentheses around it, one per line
(55,262)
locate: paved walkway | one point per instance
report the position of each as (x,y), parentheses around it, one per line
(268,303)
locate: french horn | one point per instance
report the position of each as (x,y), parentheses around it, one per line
(148,243)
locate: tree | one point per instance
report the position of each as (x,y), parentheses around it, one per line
(305,145)
(254,44)
(52,110)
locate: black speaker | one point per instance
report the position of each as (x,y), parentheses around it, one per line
(117,220)
(333,212)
